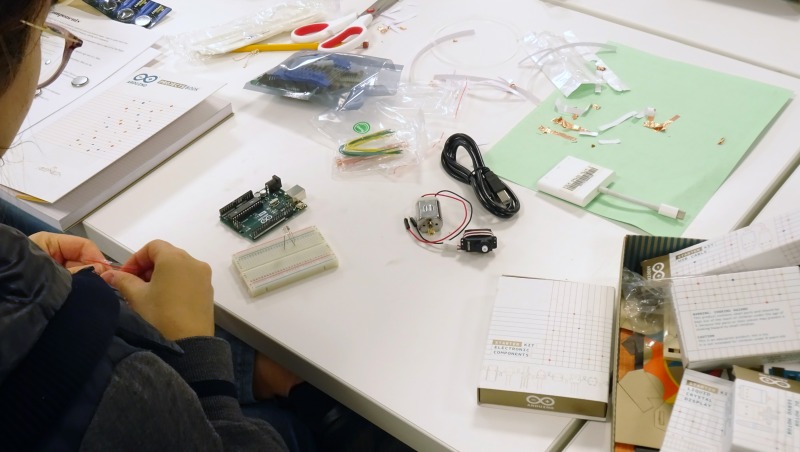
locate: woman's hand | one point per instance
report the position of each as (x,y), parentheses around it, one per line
(168,288)
(72,252)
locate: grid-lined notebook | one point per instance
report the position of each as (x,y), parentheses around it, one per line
(549,347)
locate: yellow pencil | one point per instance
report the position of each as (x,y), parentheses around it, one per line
(278,46)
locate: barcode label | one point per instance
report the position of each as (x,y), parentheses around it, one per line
(581,178)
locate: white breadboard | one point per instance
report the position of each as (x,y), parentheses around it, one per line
(283,260)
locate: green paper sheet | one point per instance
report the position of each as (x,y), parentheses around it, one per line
(682,166)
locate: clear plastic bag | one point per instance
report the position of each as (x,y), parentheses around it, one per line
(375,137)
(389,133)
(252,28)
(338,80)
(645,303)
(563,61)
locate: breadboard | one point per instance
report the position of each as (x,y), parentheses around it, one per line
(283,260)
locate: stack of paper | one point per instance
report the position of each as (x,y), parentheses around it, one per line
(74,164)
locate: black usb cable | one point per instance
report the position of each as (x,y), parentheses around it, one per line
(492,192)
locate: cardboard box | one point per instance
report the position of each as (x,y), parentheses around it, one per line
(746,318)
(639,414)
(766,412)
(543,349)
(771,243)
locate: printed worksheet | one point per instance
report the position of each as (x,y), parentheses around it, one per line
(107,47)
(59,157)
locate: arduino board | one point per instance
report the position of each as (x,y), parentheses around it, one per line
(254,214)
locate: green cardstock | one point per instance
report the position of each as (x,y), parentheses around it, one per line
(682,166)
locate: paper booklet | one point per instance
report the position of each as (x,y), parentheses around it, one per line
(549,347)
(76,163)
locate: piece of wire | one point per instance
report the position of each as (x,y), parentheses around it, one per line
(493,193)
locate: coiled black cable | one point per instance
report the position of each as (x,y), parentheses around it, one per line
(492,192)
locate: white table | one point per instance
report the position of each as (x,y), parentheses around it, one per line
(760,32)
(397,332)
(786,199)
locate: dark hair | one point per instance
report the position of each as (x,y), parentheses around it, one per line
(14,35)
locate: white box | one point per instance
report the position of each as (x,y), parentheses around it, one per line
(549,347)
(747,318)
(766,412)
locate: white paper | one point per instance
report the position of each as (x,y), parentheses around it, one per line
(58,158)
(107,47)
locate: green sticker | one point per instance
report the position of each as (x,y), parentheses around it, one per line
(361,127)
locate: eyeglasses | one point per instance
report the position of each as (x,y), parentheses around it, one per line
(57,44)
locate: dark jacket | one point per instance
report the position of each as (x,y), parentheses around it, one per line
(145,393)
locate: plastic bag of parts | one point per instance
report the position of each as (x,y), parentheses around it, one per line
(438,100)
(338,80)
(562,60)
(646,303)
(377,137)
(250,29)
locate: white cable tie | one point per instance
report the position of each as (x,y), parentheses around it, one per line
(516,90)
(598,87)
(588,133)
(535,57)
(432,44)
(617,121)
(611,141)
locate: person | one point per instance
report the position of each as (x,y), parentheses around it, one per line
(100,358)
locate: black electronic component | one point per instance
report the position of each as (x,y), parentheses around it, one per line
(273,185)
(478,241)
(254,214)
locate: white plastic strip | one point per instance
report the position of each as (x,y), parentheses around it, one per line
(618,121)
(610,141)
(434,43)
(562,107)
(500,84)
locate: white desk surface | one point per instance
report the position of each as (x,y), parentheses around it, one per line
(785,200)
(397,331)
(761,32)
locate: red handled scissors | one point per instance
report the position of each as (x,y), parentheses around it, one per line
(344,33)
